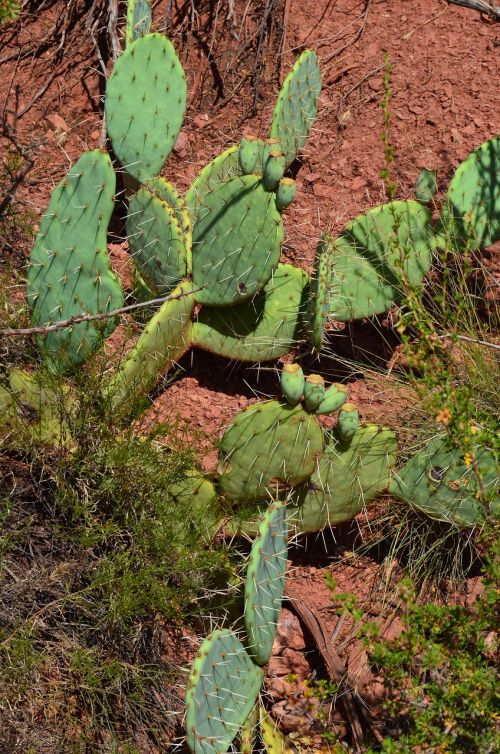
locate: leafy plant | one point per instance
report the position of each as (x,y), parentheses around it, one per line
(440,675)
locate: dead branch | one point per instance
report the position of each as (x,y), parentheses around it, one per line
(64,323)
(489,9)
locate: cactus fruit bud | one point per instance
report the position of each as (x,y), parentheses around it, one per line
(314,391)
(335,397)
(248,153)
(292,383)
(274,168)
(347,423)
(285,193)
(270,145)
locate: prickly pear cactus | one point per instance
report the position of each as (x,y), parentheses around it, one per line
(221,169)
(166,337)
(265,583)
(69,272)
(471,210)
(448,486)
(372,254)
(144,105)
(320,288)
(236,242)
(297,105)
(169,194)
(33,411)
(267,447)
(347,478)
(264,328)
(221,693)
(157,241)
(138,22)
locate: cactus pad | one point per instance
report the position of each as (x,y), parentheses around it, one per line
(138,21)
(144,105)
(236,241)
(267,447)
(165,338)
(265,583)
(221,169)
(372,254)
(70,273)
(321,285)
(347,478)
(221,692)
(156,241)
(297,105)
(471,210)
(438,482)
(31,410)
(264,328)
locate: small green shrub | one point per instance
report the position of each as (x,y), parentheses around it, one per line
(440,675)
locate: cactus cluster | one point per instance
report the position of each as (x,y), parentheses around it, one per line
(220,245)
(226,677)
(278,449)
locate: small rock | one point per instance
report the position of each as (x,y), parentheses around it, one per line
(95,135)
(375,84)
(322,191)
(358,183)
(181,144)
(289,633)
(58,122)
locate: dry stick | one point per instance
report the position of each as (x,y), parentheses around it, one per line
(490,9)
(468,339)
(334,664)
(63,323)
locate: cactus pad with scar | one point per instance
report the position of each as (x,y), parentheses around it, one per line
(70,272)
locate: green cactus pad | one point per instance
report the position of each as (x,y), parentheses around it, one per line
(236,242)
(221,169)
(169,194)
(471,210)
(262,329)
(156,241)
(438,482)
(70,273)
(144,105)
(166,337)
(267,447)
(426,185)
(320,289)
(334,398)
(297,105)
(138,21)
(265,583)
(33,411)
(222,689)
(348,477)
(371,254)
(292,383)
